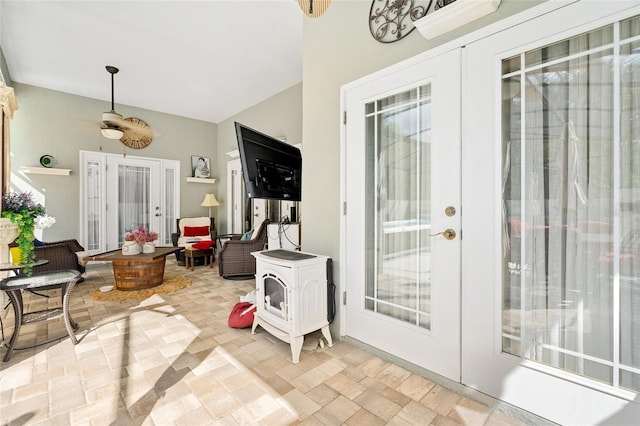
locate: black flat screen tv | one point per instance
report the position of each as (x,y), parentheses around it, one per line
(271,168)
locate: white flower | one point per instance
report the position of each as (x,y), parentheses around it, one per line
(43,222)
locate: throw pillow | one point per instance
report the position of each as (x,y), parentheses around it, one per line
(241,315)
(204,245)
(246,236)
(196,231)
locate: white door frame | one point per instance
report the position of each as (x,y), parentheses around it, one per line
(168,186)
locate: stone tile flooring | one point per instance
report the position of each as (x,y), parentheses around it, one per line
(172,360)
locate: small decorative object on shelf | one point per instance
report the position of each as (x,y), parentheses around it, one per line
(47,161)
(200,167)
(23,210)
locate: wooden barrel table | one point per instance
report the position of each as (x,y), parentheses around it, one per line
(130,274)
(138,271)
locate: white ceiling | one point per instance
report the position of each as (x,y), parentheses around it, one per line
(206,60)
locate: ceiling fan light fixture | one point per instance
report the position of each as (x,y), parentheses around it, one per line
(111,132)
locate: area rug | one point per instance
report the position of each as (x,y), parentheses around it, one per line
(169,285)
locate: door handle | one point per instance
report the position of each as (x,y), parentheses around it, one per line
(449,234)
(158,214)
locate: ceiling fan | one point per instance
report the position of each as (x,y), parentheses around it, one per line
(133,132)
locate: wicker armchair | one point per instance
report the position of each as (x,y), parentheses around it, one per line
(234,255)
(60,254)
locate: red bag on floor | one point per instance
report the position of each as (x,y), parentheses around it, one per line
(241,315)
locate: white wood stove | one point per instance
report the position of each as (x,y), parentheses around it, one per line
(291,296)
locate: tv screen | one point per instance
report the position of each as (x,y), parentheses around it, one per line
(270,168)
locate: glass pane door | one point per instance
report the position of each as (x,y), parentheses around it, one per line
(571,150)
(403,176)
(134,199)
(398,210)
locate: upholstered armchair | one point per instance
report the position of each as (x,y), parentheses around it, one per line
(234,254)
(190,231)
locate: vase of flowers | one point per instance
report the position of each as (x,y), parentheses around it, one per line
(143,240)
(22,210)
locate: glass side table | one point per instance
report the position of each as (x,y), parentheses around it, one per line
(18,267)
(13,287)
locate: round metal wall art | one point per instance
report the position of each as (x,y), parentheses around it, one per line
(392,20)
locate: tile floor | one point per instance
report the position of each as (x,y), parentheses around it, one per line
(172,360)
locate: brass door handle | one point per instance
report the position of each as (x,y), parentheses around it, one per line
(449,234)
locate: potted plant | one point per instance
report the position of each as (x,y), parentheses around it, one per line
(22,210)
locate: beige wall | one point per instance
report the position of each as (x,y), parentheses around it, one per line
(280,115)
(60,124)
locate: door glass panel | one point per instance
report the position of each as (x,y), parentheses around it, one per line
(571,205)
(397,218)
(134,187)
(93,204)
(168,214)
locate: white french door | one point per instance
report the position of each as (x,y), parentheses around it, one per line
(120,193)
(402,226)
(551,294)
(133,188)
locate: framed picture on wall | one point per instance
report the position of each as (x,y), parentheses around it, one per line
(200,166)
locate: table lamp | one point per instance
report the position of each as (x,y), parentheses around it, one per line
(210,201)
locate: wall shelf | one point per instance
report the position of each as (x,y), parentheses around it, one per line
(45,171)
(200,180)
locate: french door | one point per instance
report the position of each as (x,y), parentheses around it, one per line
(551,284)
(133,188)
(402,227)
(119,194)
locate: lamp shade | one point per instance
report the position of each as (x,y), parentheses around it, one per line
(210,201)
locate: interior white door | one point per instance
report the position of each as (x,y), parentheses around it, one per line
(236,195)
(549,311)
(402,232)
(133,197)
(258,211)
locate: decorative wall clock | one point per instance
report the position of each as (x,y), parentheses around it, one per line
(137,133)
(392,20)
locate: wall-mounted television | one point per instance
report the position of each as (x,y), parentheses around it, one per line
(270,168)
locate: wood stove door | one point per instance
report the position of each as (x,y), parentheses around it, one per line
(402,233)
